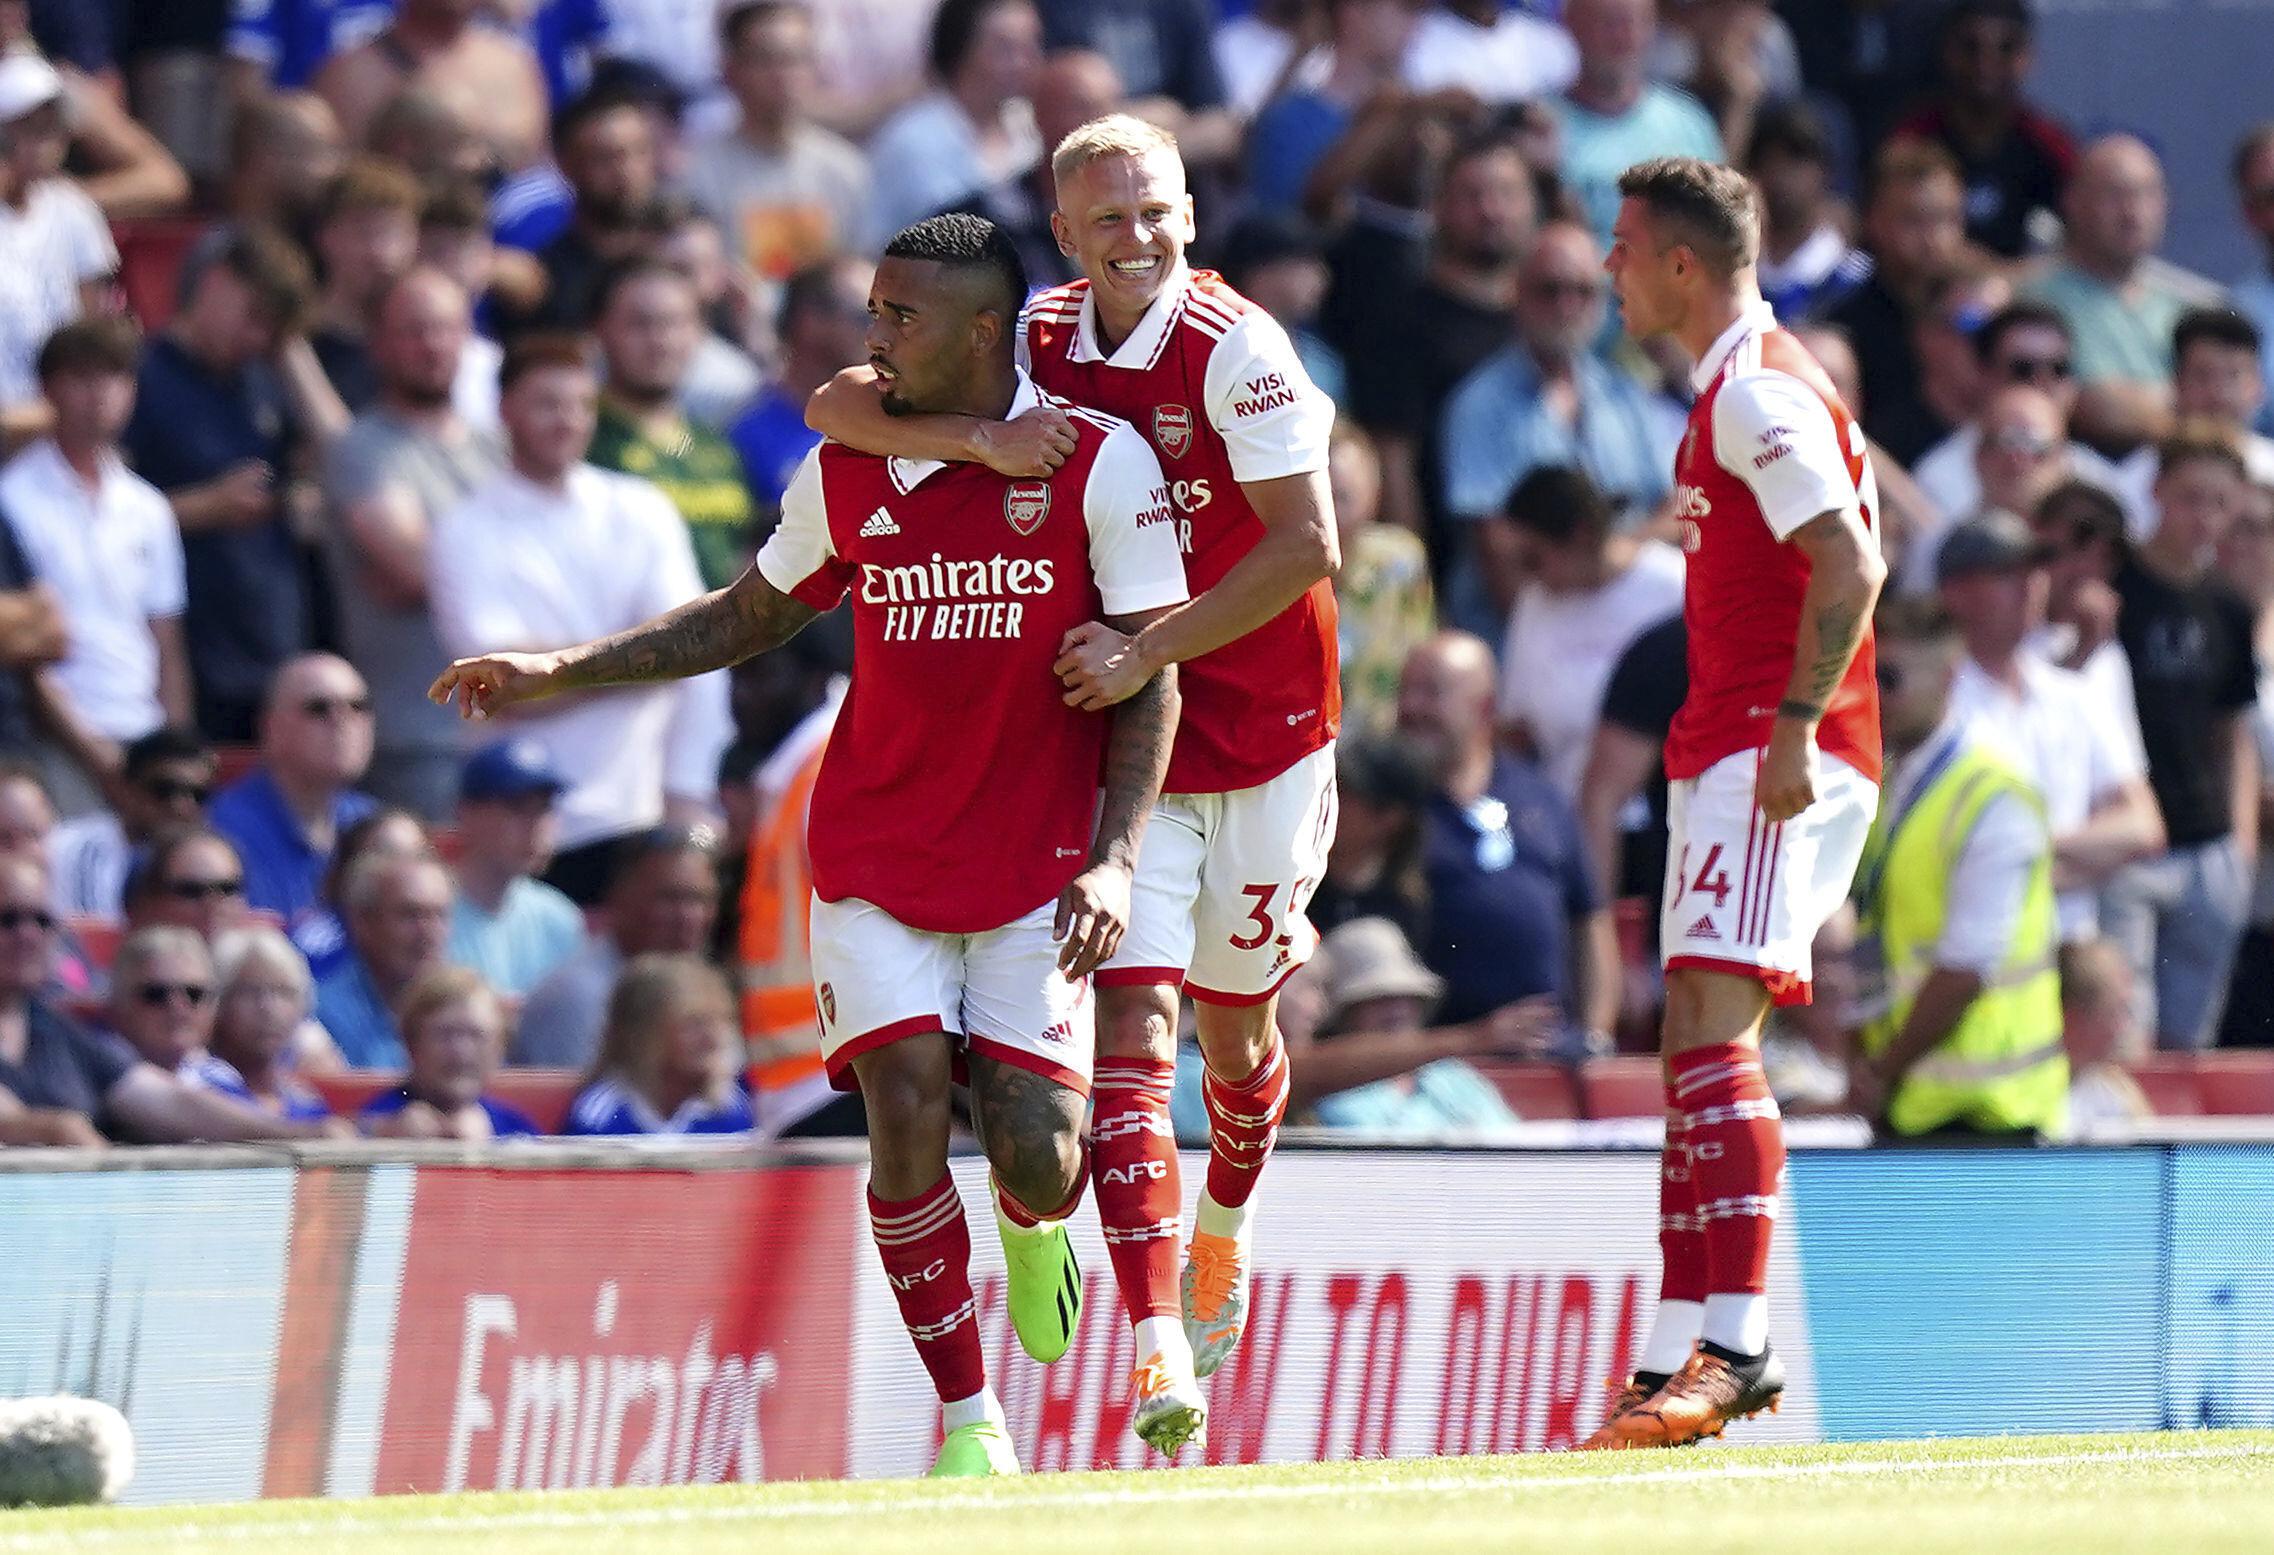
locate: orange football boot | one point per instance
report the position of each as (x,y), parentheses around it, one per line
(1703,1399)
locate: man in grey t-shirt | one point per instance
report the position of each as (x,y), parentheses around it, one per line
(404,463)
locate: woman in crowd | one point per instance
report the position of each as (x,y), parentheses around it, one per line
(264,995)
(453,1025)
(670,1059)
(322,938)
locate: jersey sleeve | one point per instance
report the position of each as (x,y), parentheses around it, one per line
(1133,527)
(798,557)
(1776,435)
(1273,419)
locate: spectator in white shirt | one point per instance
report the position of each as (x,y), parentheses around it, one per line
(1590,590)
(2216,378)
(56,254)
(553,550)
(167,779)
(977,127)
(105,541)
(2066,741)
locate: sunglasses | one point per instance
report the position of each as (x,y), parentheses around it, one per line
(327,707)
(201,890)
(2033,369)
(169,790)
(27,917)
(155,994)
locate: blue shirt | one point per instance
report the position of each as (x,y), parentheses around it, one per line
(349,1006)
(773,440)
(1285,143)
(1507,875)
(566,36)
(293,38)
(505,1122)
(300,1104)
(608,1106)
(534,929)
(2254,299)
(531,208)
(284,871)
(246,612)
(1446,1096)
(1497,429)
(1597,148)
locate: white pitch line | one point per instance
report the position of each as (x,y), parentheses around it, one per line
(1171,1490)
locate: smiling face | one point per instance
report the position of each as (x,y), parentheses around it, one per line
(1125,219)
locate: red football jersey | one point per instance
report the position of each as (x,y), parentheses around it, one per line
(959,791)
(1214,382)
(1769,447)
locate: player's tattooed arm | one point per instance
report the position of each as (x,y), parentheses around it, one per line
(1844,576)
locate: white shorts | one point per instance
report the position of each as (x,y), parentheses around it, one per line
(1222,881)
(877,980)
(1747,897)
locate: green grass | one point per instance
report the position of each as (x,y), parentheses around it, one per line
(2185,1494)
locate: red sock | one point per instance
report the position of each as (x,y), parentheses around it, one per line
(1736,1140)
(1243,1120)
(1019,1215)
(1681,1235)
(926,1248)
(1140,1202)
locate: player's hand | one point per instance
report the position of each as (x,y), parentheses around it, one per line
(1787,782)
(1100,667)
(483,685)
(1093,913)
(1029,445)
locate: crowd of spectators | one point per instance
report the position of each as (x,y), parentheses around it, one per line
(338,337)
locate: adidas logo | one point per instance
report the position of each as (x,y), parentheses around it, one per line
(879,523)
(1703,929)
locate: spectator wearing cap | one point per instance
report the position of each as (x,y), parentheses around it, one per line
(1961,1005)
(285,814)
(1513,905)
(485,73)
(505,924)
(1386,605)
(164,781)
(2085,764)
(105,541)
(2014,157)
(227,396)
(662,900)
(263,1000)
(2215,382)
(555,550)
(1545,399)
(1374,865)
(605,143)
(1411,347)
(1073,87)
(1614,114)
(822,324)
(785,192)
(56,254)
(649,327)
(409,458)
(1807,262)
(2253,170)
(1914,228)
(364,235)
(976,127)
(1293,132)
(2190,640)
(397,912)
(2121,300)
(454,1029)
(1588,591)
(670,1059)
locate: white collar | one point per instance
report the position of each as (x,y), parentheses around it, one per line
(1143,347)
(1956,733)
(908,474)
(108,467)
(1758,318)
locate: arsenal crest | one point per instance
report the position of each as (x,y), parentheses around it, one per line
(1026,505)
(1172,429)
(828,1004)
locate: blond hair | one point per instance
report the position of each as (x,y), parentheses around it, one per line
(1115,135)
(437,989)
(652,989)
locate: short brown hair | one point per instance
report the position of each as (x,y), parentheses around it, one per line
(2198,439)
(454,205)
(271,266)
(1913,618)
(108,344)
(437,987)
(539,350)
(1712,210)
(1909,160)
(368,183)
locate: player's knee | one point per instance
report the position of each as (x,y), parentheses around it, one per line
(1040,1171)
(1137,1022)
(1235,1038)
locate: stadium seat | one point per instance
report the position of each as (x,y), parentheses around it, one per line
(2219,1084)
(231,762)
(544,1094)
(2171,1084)
(150,254)
(1532,1090)
(98,935)
(1623,1087)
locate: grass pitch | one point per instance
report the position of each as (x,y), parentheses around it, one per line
(2183,1494)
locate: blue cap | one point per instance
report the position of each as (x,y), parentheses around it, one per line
(509,769)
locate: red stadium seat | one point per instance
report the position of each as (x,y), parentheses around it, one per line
(1532,1090)
(544,1094)
(98,936)
(231,762)
(1624,1087)
(2171,1083)
(150,254)
(2232,1083)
